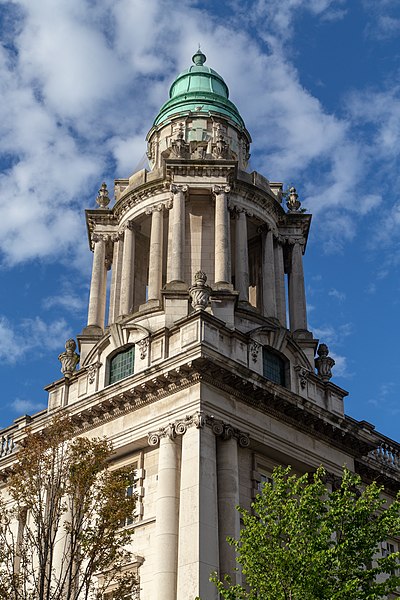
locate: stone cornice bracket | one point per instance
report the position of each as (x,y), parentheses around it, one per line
(226,431)
(178,189)
(220,189)
(179,427)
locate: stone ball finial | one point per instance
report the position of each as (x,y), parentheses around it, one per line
(103,199)
(199,58)
(293,203)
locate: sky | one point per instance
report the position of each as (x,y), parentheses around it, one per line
(318,85)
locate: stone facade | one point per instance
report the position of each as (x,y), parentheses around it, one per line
(197,377)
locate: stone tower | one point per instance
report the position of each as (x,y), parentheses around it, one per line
(196,376)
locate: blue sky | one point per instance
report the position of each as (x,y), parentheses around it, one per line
(318,85)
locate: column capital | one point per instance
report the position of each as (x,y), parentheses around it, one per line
(178,427)
(178,188)
(158,207)
(220,189)
(99,237)
(226,431)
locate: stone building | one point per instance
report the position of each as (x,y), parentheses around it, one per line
(204,373)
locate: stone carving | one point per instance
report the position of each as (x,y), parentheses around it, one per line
(226,431)
(178,189)
(221,189)
(324,363)
(92,370)
(177,428)
(103,199)
(254,350)
(221,147)
(199,291)
(69,359)
(178,145)
(223,430)
(143,347)
(303,374)
(292,201)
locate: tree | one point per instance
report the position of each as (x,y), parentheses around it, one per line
(303,542)
(60,519)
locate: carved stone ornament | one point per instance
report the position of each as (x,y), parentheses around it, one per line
(103,199)
(303,374)
(199,420)
(292,202)
(172,430)
(92,370)
(199,291)
(221,189)
(254,350)
(69,359)
(324,363)
(179,146)
(178,189)
(143,347)
(220,149)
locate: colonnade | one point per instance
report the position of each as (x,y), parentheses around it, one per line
(272,280)
(198,490)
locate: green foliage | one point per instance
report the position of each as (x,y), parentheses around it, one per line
(60,520)
(302,542)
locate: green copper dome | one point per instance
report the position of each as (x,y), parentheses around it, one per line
(199,89)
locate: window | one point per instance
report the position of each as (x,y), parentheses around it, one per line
(122,365)
(273,367)
(264,478)
(131,490)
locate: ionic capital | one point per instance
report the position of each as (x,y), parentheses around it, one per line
(158,207)
(178,189)
(217,190)
(179,427)
(225,431)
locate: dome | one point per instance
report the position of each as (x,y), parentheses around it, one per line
(199,89)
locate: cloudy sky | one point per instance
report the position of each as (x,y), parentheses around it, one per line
(318,84)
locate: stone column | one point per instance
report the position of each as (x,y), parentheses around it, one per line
(97,286)
(228,499)
(242,257)
(198,523)
(128,270)
(268,273)
(177,234)
(280,290)
(222,231)
(167,515)
(115,288)
(297,294)
(156,255)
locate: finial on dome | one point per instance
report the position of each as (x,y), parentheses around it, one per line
(199,58)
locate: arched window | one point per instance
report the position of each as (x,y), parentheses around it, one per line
(122,365)
(273,367)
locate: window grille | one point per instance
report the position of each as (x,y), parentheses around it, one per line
(273,367)
(122,365)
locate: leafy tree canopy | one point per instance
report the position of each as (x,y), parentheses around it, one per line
(60,519)
(304,542)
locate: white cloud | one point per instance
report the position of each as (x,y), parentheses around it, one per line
(340,296)
(87,79)
(18,341)
(24,407)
